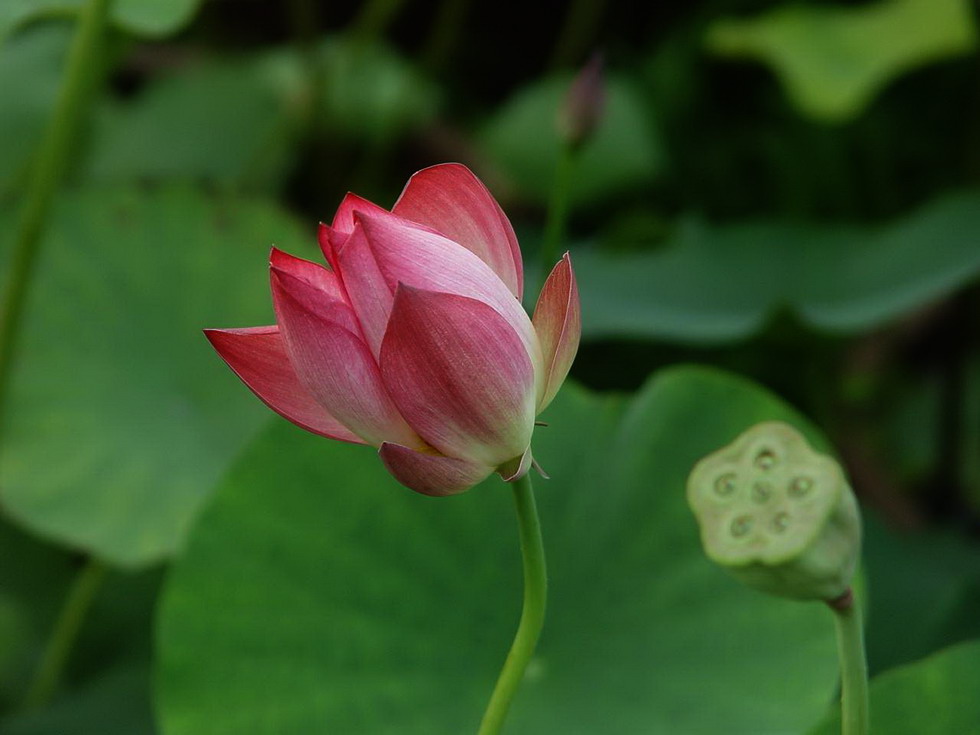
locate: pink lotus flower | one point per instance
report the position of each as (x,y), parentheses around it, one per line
(414,339)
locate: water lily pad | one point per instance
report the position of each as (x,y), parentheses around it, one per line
(370,92)
(833,60)
(30,74)
(317,595)
(121,419)
(236,121)
(937,695)
(153,18)
(718,283)
(231,121)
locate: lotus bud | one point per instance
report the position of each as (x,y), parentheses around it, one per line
(584,104)
(411,337)
(777,514)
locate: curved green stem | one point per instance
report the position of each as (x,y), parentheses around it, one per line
(532,614)
(554,229)
(46,174)
(66,628)
(855,716)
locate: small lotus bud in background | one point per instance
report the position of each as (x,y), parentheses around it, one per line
(778,515)
(584,104)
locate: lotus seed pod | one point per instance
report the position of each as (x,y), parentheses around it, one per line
(777,515)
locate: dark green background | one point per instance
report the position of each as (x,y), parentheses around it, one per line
(785,194)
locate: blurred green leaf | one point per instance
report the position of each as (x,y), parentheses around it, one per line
(33,580)
(369,92)
(15,636)
(717,283)
(30,73)
(118,626)
(14,13)
(920,584)
(522,139)
(115,702)
(317,595)
(937,695)
(233,122)
(909,424)
(238,120)
(106,687)
(833,60)
(154,18)
(121,418)
(971,432)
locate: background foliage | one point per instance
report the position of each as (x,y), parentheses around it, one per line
(787,194)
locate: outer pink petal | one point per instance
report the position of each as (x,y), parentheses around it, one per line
(459,375)
(343,219)
(333,236)
(369,292)
(558,321)
(335,365)
(403,253)
(258,357)
(326,293)
(330,242)
(453,201)
(313,273)
(431,474)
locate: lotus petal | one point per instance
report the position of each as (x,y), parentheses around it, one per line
(450,199)
(460,376)
(258,356)
(431,474)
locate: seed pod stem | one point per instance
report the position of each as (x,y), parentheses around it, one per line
(853,665)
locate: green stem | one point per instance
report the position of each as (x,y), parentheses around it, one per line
(66,628)
(554,229)
(532,614)
(305,21)
(853,665)
(46,173)
(444,35)
(582,20)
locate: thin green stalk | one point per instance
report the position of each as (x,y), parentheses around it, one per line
(444,35)
(583,19)
(304,18)
(46,174)
(853,666)
(557,220)
(532,614)
(83,590)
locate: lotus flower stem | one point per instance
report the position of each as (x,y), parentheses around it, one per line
(47,171)
(83,591)
(554,229)
(582,18)
(444,35)
(853,665)
(532,614)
